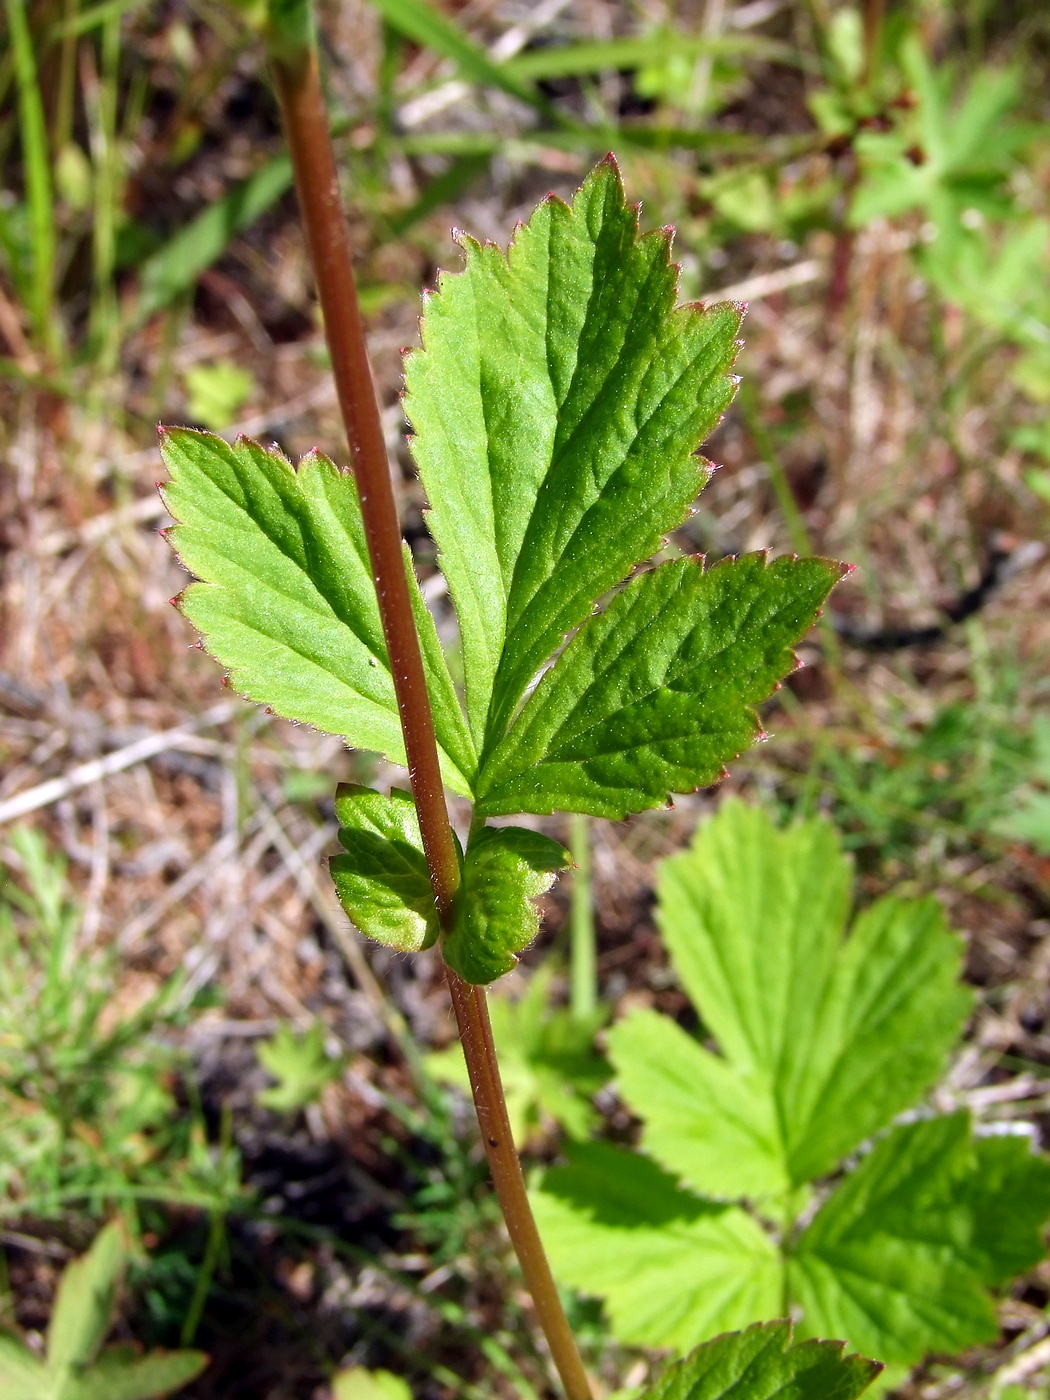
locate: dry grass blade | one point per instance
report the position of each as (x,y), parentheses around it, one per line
(84,774)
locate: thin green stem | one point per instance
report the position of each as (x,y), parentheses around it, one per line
(583,979)
(785,497)
(100,91)
(36,159)
(798,534)
(302,106)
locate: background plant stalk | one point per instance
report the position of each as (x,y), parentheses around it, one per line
(297,81)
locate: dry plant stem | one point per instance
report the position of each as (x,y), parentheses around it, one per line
(475,1033)
(306,125)
(302,107)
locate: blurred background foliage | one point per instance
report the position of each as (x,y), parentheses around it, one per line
(190,1035)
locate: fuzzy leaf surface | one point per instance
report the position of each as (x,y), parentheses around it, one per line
(899,1257)
(654,695)
(763,1363)
(286,600)
(382,879)
(672,1269)
(823,1038)
(557,403)
(505,870)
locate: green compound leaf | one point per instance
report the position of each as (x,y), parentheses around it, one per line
(286,599)
(762,1363)
(823,1039)
(655,694)
(899,1257)
(382,881)
(557,402)
(506,868)
(671,1267)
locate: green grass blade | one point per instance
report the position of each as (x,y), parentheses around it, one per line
(621,55)
(425,25)
(583,975)
(174,269)
(39,189)
(87,20)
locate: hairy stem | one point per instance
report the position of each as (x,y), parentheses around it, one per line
(475,1033)
(306,124)
(302,106)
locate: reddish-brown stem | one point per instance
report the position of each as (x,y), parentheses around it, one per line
(302,106)
(475,1033)
(328,240)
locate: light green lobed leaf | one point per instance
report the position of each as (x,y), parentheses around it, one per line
(708,1121)
(557,402)
(654,695)
(382,881)
(899,1258)
(897,1261)
(672,1269)
(505,870)
(826,1038)
(822,1042)
(286,600)
(762,1363)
